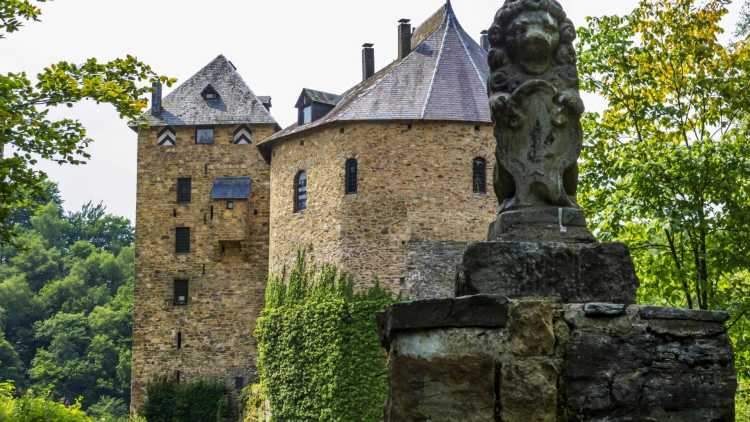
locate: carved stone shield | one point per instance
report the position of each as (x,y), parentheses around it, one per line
(538,144)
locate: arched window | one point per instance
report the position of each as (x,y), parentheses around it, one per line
(300,191)
(351,176)
(480,175)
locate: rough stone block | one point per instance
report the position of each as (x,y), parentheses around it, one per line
(571,272)
(528,391)
(440,390)
(531,328)
(472,311)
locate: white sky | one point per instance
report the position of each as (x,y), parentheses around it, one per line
(278,46)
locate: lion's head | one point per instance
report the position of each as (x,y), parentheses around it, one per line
(534,34)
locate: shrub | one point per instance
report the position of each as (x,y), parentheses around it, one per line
(31,408)
(198,401)
(319,354)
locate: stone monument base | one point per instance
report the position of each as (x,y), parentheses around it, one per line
(489,359)
(550,224)
(571,272)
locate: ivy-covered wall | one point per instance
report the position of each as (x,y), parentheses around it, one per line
(319,354)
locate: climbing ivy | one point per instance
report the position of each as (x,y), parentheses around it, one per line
(318,350)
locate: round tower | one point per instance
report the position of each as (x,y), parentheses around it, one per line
(391,179)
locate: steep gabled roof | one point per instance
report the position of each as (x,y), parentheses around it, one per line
(443,78)
(237,104)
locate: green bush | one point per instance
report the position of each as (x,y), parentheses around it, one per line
(319,354)
(199,401)
(31,408)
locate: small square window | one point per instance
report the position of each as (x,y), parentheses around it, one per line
(204,136)
(230,205)
(181,291)
(182,240)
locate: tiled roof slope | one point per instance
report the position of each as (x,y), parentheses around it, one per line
(443,78)
(237,104)
(321,97)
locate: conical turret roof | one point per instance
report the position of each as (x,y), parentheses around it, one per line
(443,78)
(187,105)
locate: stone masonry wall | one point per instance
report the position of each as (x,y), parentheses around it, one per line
(415,183)
(489,359)
(431,268)
(226,268)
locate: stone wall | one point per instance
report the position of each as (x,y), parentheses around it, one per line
(226,268)
(431,268)
(415,183)
(487,358)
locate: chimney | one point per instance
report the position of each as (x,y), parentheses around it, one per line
(404,38)
(485,40)
(368,61)
(156,98)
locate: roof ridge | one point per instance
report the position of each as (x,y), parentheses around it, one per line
(437,66)
(461,32)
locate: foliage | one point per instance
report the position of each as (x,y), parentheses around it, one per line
(254,398)
(26,131)
(666,166)
(172,401)
(318,350)
(65,307)
(31,408)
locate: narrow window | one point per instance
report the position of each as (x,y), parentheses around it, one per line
(230,205)
(184,190)
(239,383)
(300,191)
(204,135)
(177,376)
(351,176)
(480,175)
(181,290)
(179,340)
(182,240)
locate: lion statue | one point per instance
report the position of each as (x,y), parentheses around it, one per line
(536,105)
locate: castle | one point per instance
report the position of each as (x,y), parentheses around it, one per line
(388,180)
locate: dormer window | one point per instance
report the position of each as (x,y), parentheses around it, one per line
(167,137)
(204,135)
(313,105)
(243,136)
(210,94)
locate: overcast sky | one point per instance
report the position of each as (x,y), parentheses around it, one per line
(278,46)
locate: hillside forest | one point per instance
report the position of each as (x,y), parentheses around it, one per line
(66,297)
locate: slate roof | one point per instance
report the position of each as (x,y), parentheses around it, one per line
(232,188)
(237,104)
(443,78)
(320,97)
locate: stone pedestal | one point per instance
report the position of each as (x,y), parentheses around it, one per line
(488,358)
(570,272)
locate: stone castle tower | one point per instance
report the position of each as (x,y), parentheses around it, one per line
(389,180)
(201,230)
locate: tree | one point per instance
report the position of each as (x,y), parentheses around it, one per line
(25,126)
(668,162)
(66,307)
(666,167)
